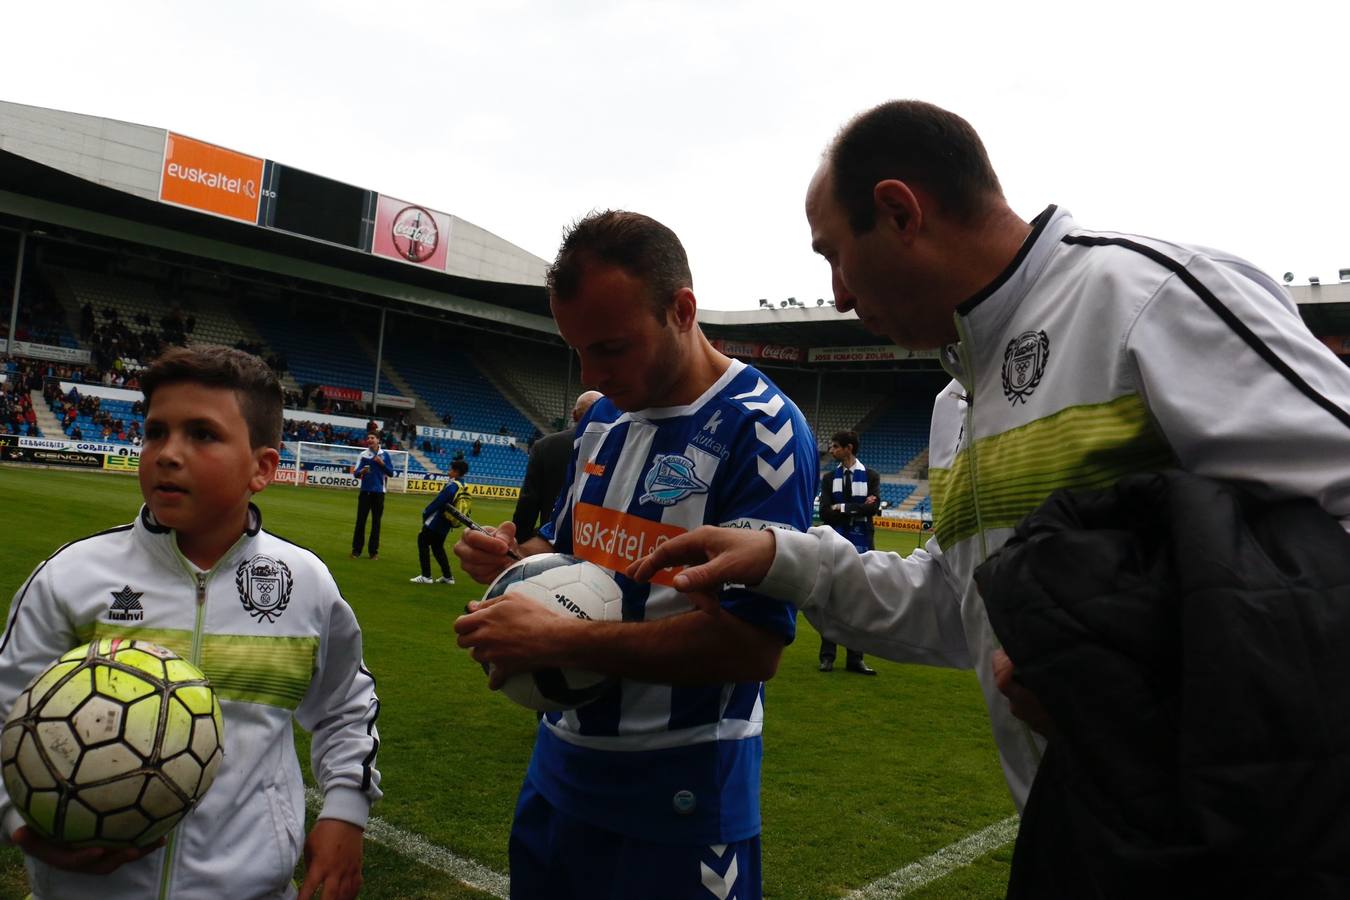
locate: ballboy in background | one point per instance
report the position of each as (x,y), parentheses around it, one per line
(437,524)
(185,569)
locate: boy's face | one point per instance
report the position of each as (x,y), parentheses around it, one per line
(197,469)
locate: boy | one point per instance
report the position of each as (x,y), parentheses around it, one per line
(260,615)
(436,525)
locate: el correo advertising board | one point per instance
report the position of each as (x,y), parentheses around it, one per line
(211,179)
(411,233)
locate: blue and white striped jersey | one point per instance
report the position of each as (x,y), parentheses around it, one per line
(677,764)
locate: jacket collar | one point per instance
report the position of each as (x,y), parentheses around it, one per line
(995,303)
(162,543)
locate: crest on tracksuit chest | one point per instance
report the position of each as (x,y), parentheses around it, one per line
(264,585)
(1024,361)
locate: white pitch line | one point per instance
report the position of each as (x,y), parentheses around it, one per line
(418,848)
(903,882)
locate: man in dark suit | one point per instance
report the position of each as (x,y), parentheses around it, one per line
(546,470)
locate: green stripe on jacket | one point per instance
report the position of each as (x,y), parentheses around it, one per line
(275,671)
(1081,447)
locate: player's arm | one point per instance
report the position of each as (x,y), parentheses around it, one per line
(340,711)
(688,648)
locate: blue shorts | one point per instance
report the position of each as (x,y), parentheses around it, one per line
(557,857)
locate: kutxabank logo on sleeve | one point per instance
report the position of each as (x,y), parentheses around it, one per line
(1024,364)
(264,587)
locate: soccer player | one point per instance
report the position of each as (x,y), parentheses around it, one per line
(261,616)
(1078,357)
(436,526)
(373,468)
(652,790)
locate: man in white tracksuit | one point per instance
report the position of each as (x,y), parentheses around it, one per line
(1077,357)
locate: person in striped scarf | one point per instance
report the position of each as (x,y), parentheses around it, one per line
(850,496)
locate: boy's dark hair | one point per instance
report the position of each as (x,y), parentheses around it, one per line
(638,244)
(846,439)
(254,384)
(460,466)
(917,143)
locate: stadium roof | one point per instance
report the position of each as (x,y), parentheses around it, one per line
(83,179)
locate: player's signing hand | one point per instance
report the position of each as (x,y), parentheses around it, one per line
(714,557)
(332,861)
(512,635)
(483,554)
(87,860)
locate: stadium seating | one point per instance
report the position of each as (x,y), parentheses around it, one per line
(319,349)
(541,386)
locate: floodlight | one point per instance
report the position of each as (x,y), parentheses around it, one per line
(1344,274)
(820,301)
(783,304)
(1288,277)
(764,303)
(1314,280)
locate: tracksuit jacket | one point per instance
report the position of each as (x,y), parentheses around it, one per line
(270,630)
(1092,356)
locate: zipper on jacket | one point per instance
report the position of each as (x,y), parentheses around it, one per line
(963,350)
(199,580)
(1028,736)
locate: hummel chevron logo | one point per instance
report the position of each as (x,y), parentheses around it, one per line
(773,441)
(759,389)
(770,408)
(719,885)
(776,477)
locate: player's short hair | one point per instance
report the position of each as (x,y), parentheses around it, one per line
(460,466)
(917,143)
(638,244)
(846,439)
(254,384)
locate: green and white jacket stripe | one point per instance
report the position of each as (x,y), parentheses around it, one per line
(1078,365)
(270,629)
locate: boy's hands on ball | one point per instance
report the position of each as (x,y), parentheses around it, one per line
(333,860)
(86,860)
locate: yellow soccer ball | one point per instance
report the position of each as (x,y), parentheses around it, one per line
(112,745)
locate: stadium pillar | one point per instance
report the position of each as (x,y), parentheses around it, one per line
(820,377)
(379,361)
(14,305)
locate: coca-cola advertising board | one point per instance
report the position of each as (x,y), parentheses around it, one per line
(411,233)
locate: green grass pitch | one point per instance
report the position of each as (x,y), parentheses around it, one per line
(862,776)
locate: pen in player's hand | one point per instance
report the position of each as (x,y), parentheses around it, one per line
(463,519)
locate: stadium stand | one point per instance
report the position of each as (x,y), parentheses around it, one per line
(543,387)
(323,351)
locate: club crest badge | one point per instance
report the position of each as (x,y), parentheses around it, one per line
(670,479)
(264,587)
(1024,364)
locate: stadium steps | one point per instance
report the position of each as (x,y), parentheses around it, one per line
(509,392)
(47,423)
(65,295)
(422,413)
(912,502)
(422,458)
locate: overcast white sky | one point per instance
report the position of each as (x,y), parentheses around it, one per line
(1222,124)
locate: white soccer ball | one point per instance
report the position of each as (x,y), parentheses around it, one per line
(566,586)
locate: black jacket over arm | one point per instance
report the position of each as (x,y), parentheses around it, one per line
(1192,646)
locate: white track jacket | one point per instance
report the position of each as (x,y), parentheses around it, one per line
(1092,356)
(276,639)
